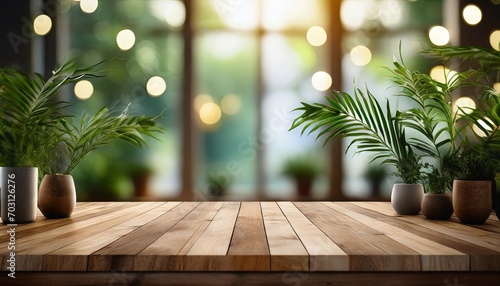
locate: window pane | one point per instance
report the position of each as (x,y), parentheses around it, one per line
(233,14)
(226,111)
(156,52)
(293,14)
(288,64)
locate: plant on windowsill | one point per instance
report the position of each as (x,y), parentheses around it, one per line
(303,170)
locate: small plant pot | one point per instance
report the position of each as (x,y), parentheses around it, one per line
(406,199)
(437,206)
(304,186)
(18,194)
(472,201)
(57,196)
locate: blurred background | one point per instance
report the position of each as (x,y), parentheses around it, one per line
(228,74)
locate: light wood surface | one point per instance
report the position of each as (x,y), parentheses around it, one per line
(269,237)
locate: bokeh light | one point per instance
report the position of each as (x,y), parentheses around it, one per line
(125,39)
(464,105)
(439,35)
(316,36)
(321,81)
(200,100)
(472,14)
(230,104)
(42,24)
(484,124)
(443,74)
(84,89)
(210,113)
(89,6)
(361,55)
(156,86)
(495,40)
(496,86)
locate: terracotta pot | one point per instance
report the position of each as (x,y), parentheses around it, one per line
(57,196)
(437,206)
(304,186)
(18,194)
(472,201)
(406,199)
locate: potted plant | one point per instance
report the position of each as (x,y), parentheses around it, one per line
(303,170)
(77,139)
(217,184)
(36,131)
(375,130)
(28,114)
(432,123)
(479,160)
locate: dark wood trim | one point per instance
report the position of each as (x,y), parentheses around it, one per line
(252,278)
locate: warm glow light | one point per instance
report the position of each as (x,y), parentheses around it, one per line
(84,89)
(464,105)
(495,39)
(361,55)
(316,36)
(42,24)
(484,125)
(443,74)
(173,12)
(352,14)
(200,100)
(230,104)
(496,86)
(210,113)
(125,39)
(89,6)
(321,81)
(439,35)
(156,86)
(472,14)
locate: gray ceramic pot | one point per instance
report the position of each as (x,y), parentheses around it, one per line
(406,199)
(19,189)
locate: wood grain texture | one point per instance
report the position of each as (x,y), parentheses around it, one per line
(262,237)
(287,251)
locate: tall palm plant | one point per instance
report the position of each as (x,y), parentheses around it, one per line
(374,129)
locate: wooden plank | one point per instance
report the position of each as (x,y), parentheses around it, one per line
(209,252)
(120,254)
(74,256)
(324,254)
(285,247)
(481,258)
(35,246)
(368,249)
(249,250)
(435,256)
(166,253)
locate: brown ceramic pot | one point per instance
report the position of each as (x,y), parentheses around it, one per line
(406,199)
(437,206)
(57,196)
(472,201)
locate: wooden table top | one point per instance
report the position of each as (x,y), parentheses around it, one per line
(250,236)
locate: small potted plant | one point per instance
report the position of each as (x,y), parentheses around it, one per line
(303,170)
(36,131)
(217,184)
(29,114)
